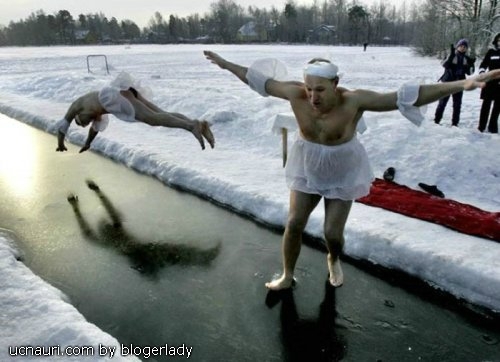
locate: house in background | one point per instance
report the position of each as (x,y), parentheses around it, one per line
(250,32)
(82,36)
(322,34)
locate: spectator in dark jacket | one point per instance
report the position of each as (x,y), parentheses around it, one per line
(491,92)
(457,66)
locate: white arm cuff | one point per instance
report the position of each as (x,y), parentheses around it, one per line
(62,126)
(257,81)
(261,71)
(101,125)
(407,96)
(124,81)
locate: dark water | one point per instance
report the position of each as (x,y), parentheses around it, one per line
(154,266)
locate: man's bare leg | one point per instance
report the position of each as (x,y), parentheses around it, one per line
(149,113)
(291,251)
(204,128)
(199,129)
(336,213)
(301,206)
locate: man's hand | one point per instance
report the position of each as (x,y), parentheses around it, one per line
(215,58)
(72,199)
(480,80)
(84,148)
(60,142)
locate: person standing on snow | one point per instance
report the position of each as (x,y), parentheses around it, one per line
(457,66)
(490,93)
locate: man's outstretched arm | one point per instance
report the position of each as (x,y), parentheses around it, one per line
(237,70)
(63,126)
(423,94)
(92,134)
(263,84)
(432,92)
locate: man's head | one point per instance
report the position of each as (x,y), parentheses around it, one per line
(83,122)
(321,79)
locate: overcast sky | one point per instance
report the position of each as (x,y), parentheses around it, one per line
(139,11)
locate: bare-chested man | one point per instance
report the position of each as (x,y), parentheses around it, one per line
(327,161)
(130,106)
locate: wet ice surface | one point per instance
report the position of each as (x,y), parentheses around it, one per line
(212,297)
(244,171)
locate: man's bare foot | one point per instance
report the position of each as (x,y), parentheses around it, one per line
(336,275)
(207,133)
(281,283)
(197,132)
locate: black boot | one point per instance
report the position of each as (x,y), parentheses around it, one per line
(432,189)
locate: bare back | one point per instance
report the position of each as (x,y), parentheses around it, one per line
(87,107)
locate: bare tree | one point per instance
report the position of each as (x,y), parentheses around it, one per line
(66,25)
(358,18)
(473,19)
(227,18)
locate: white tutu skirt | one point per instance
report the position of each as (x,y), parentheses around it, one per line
(116,104)
(334,172)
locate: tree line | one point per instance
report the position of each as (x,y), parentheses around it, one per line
(427,25)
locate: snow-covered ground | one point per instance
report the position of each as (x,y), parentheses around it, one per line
(245,171)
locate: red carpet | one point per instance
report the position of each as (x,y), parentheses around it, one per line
(464,218)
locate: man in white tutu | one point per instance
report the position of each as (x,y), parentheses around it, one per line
(327,161)
(123,99)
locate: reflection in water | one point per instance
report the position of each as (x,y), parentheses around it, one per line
(147,257)
(18,161)
(308,339)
